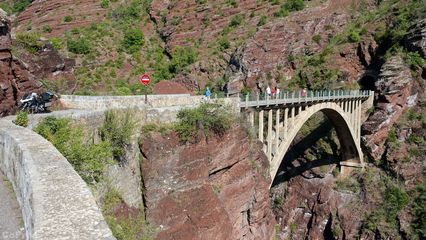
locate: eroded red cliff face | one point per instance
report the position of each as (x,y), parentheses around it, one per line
(52,14)
(213,189)
(15,79)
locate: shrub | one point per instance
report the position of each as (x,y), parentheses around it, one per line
(127,226)
(316,38)
(133,40)
(57,43)
(88,159)
(79,46)
(262,21)
(105,3)
(29,41)
(182,57)
(68,18)
(22,119)
(419,203)
(395,199)
(47,29)
(211,117)
(294,5)
(223,43)
(118,129)
(20,5)
(232,3)
(236,20)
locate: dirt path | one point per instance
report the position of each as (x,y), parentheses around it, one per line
(10,213)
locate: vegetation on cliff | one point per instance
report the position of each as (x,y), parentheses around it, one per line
(89,157)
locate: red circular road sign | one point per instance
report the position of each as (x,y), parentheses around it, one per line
(145,79)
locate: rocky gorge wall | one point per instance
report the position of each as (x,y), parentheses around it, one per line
(216,188)
(15,79)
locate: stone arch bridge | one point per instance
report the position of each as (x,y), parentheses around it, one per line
(278,119)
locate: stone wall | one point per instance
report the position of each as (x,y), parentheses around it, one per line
(108,102)
(55,202)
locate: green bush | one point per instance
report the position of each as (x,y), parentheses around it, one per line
(316,38)
(294,5)
(47,29)
(182,57)
(262,21)
(29,41)
(128,226)
(57,43)
(236,20)
(133,40)
(395,199)
(20,5)
(79,46)
(105,3)
(211,117)
(68,19)
(88,159)
(419,210)
(118,129)
(22,119)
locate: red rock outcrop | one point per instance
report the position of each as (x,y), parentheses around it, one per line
(313,209)
(15,79)
(416,38)
(213,189)
(43,14)
(168,87)
(396,91)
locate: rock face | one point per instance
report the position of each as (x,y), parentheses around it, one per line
(51,14)
(416,38)
(312,209)
(396,90)
(15,79)
(213,189)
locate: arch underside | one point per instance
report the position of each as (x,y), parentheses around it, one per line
(343,123)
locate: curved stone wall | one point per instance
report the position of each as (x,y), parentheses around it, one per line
(55,202)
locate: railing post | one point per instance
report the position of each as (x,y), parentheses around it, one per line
(257,99)
(267,98)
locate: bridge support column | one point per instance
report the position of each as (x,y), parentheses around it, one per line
(261,125)
(277,131)
(251,118)
(292,116)
(269,137)
(285,124)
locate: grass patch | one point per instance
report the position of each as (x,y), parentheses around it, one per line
(118,129)
(22,119)
(87,158)
(209,117)
(125,223)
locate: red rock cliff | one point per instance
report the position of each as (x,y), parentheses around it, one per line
(15,80)
(214,189)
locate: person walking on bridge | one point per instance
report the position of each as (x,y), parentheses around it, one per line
(208,93)
(268,91)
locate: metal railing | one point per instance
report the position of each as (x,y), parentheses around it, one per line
(297,97)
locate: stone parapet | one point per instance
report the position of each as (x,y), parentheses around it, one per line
(115,102)
(55,202)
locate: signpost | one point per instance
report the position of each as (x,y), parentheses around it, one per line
(145,79)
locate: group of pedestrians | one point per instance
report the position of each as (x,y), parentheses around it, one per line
(276,92)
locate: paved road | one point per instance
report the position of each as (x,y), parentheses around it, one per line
(10,214)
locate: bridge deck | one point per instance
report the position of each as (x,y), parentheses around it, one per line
(292,98)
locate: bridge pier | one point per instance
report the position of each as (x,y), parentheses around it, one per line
(261,125)
(277,131)
(269,137)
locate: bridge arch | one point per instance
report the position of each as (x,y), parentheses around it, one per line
(345,125)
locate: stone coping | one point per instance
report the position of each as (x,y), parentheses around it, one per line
(55,202)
